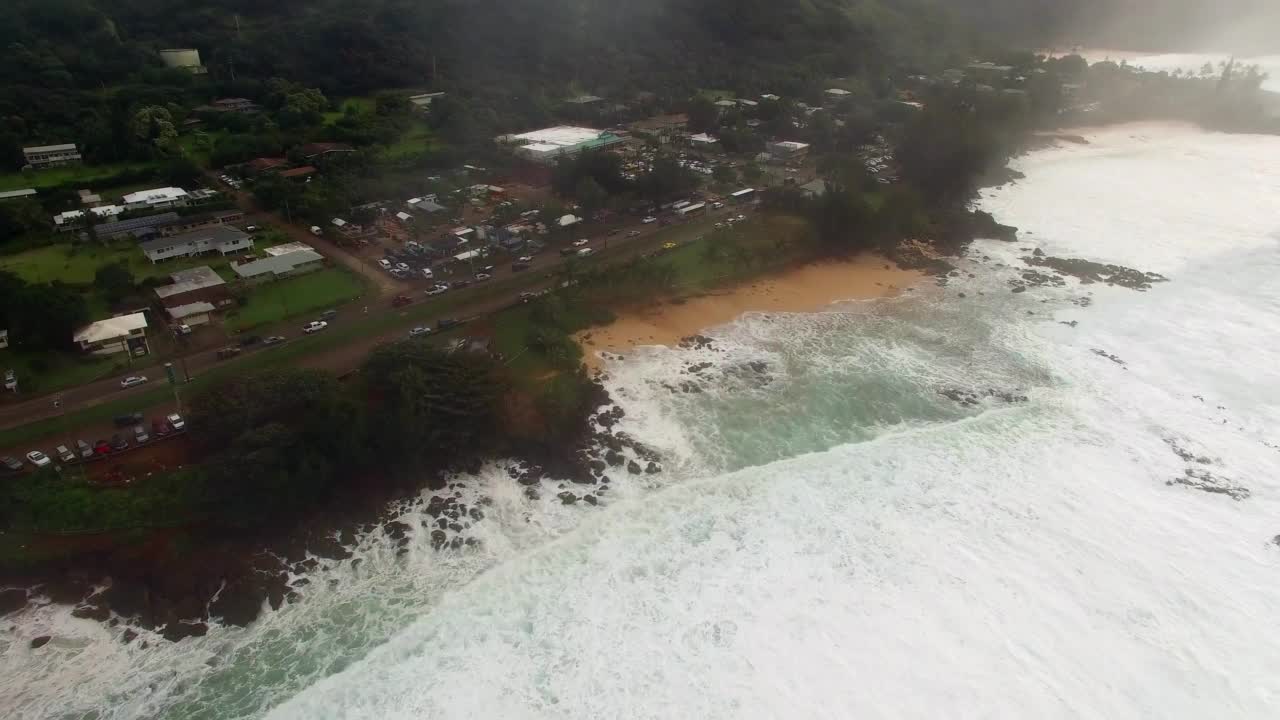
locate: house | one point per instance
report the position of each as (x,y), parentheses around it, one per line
(748,103)
(127,333)
(138,227)
(287,248)
(156,198)
(265,165)
(989,72)
(771,97)
(277,267)
(14,194)
(222,239)
(665,128)
(426,205)
(788,151)
(191,315)
(89,197)
(184,59)
(199,285)
(321,152)
(726,104)
(352,231)
(545,146)
(703,141)
(178,225)
(404,218)
(72,219)
(240,105)
(422,102)
(299,172)
(46,156)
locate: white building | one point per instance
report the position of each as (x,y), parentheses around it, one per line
(156,198)
(423,102)
(277,267)
(71,219)
(222,239)
(788,150)
(44,156)
(837,93)
(127,333)
(547,145)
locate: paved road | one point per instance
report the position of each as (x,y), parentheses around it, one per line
(347,357)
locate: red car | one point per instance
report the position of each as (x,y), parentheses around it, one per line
(102,447)
(160,427)
(401,301)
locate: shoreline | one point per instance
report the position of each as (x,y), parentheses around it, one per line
(810,287)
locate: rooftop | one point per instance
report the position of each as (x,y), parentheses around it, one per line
(69,147)
(180,312)
(287,248)
(185,281)
(559,136)
(584,99)
(791,145)
(313,149)
(111,328)
(104,211)
(138,223)
(217,234)
(838,92)
(277,264)
(8,195)
(303,171)
(265,163)
(155,195)
(425,205)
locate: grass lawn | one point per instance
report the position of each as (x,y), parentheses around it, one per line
(49,371)
(360,104)
(415,140)
(86,175)
(314,292)
(191,147)
(76,264)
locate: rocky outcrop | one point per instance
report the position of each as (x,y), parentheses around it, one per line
(1092,272)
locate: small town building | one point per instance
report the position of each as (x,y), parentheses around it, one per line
(726,104)
(222,239)
(72,219)
(837,93)
(124,334)
(190,223)
(285,249)
(426,205)
(46,156)
(422,102)
(199,285)
(192,314)
(322,152)
(138,227)
(788,151)
(703,141)
(664,128)
(771,97)
(183,59)
(299,172)
(89,197)
(585,100)
(547,145)
(568,221)
(15,194)
(240,105)
(277,267)
(817,188)
(156,199)
(692,210)
(265,165)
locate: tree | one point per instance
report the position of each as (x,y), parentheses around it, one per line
(590,196)
(704,116)
(724,174)
(153,125)
(21,216)
(115,282)
(41,317)
(302,107)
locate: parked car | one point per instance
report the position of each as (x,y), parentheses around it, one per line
(527,296)
(459,284)
(580,242)
(633,234)
(439,289)
(140,434)
(483,277)
(273,340)
(128,420)
(403,267)
(400,301)
(717,205)
(251,228)
(446,323)
(649,220)
(740,218)
(519,267)
(428,274)
(161,427)
(184,329)
(315,230)
(176,421)
(64,454)
(328,315)
(85,449)
(525,259)
(133,381)
(315,327)
(118,443)
(11,464)
(228,352)
(249,340)
(566,252)
(419,332)
(39,459)
(384,263)
(585,252)
(102,447)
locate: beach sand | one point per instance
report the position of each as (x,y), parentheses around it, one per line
(808,288)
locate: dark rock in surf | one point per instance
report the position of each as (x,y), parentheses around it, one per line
(634,468)
(590,499)
(568,498)
(40,641)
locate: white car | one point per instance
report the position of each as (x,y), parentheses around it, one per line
(426,273)
(581,243)
(404,267)
(419,332)
(741,218)
(585,252)
(133,381)
(438,289)
(525,259)
(649,220)
(39,459)
(315,327)
(384,263)
(176,421)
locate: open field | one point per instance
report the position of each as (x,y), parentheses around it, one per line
(50,371)
(76,264)
(314,292)
(417,139)
(85,175)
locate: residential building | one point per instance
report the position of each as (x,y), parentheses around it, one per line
(788,151)
(127,334)
(286,248)
(665,128)
(156,198)
(423,101)
(194,286)
(299,172)
(321,152)
(202,196)
(178,225)
(352,231)
(89,197)
(14,194)
(277,267)
(726,104)
(989,72)
(817,188)
(549,144)
(191,314)
(45,156)
(72,219)
(222,239)
(584,100)
(426,205)
(265,165)
(771,97)
(837,94)
(138,227)
(703,141)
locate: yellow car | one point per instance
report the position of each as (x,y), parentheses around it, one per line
(669,246)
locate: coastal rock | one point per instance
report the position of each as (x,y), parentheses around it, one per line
(1206,481)
(173,632)
(1090,272)
(128,636)
(476,514)
(614,458)
(91,611)
(590,499)
(652,468)
(1113,358)
(40,641)
(697,342)
(634,468)
(568,498)
(438,539)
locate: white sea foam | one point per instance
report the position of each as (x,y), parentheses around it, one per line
(838,539)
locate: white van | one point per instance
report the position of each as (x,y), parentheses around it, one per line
(426,273)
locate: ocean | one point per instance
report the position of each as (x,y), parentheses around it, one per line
(960,502)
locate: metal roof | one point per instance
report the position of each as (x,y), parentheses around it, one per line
(277,265)
(17,194)
(50,148)
(185,281)
(185,311)
(111,328)
(164,194)
(218,235)
(124,226)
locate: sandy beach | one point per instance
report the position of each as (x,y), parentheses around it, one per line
(808,288)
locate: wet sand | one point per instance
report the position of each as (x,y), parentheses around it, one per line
(808,288)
